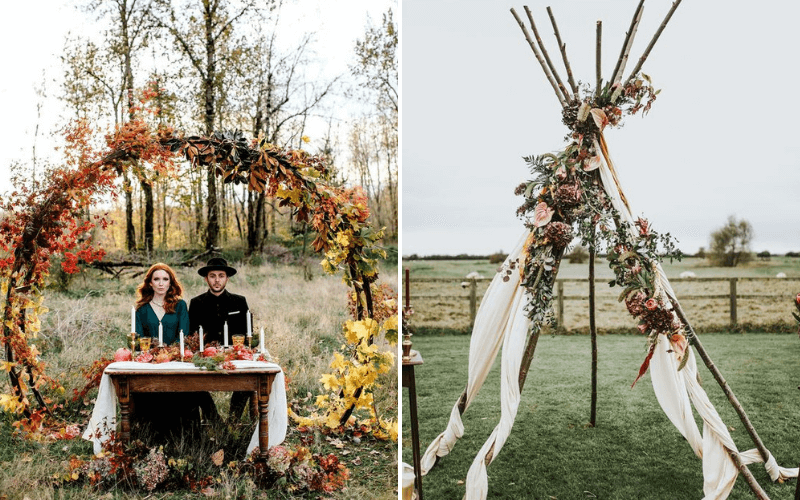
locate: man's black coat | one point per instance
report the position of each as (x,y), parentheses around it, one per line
(213,311)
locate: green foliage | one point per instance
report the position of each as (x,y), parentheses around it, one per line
(730,244)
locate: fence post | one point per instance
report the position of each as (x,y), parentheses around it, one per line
(408,291)
(560,288)
(733,301)
(473,301)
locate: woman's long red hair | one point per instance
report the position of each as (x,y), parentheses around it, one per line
(144,293)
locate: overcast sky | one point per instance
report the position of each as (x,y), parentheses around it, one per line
(721,138)
(32,35)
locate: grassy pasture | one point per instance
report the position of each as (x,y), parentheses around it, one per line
(303,325)
(634,452)
(450,309)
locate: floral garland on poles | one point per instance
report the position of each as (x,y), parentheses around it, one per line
(567,199)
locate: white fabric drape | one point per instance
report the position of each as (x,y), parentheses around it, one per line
(491,323)
(676,391)
(104,414)
(501,317)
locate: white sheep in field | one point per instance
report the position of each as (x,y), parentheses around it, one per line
(688,274)
(780,275)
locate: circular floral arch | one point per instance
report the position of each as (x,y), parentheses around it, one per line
(50,220)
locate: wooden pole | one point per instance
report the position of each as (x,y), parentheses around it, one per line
(653,41)
(563,48)
(733,301)
(598,69)
(701,351)
(593,332)
(560,311)
(473,301)
(626,45)
(408,290)
(539,58)
(748,476)
(550,65)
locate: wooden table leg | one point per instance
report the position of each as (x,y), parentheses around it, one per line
(124,396)
(264,389)
(412,400)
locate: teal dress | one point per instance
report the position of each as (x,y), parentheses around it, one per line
(165,413)
(171,323)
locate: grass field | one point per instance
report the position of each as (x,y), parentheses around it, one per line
(634,452)
(303,323)
(450,309)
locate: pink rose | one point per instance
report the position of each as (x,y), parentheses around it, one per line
(561,172)
(651,304)
(797,299)
(209,352)
(542,214)
(123,354)
(642,328)
(187,353)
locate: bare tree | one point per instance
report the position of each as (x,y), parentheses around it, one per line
(100,78)
(201,31)
(275,98)
(730,244)
(376,71)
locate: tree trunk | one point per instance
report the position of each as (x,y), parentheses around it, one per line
(130,231)
(147,189)
(212,228)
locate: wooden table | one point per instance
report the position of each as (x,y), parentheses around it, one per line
(408,381)
(258,380)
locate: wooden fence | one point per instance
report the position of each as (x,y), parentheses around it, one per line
(472,300)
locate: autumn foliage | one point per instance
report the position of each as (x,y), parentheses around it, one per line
(48,219)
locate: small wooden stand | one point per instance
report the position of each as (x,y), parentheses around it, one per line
(408,381)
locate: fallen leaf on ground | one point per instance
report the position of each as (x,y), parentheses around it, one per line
(218,457)
(357,461)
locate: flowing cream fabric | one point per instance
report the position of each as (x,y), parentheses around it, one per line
(501,317)
(492,322)
(104,414)
(676,391)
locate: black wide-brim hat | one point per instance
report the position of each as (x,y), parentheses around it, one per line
(216,264)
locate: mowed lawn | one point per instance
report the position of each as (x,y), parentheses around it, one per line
(634,452)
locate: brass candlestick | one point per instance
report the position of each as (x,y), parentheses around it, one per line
(406,347)
(133,342)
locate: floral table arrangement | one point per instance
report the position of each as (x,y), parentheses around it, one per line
(213,356)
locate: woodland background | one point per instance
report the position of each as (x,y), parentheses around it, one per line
(209,65)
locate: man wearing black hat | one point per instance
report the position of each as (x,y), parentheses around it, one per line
(212,310)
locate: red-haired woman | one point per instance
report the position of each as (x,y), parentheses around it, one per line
(159,303)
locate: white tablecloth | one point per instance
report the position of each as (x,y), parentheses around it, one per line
(104,415)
